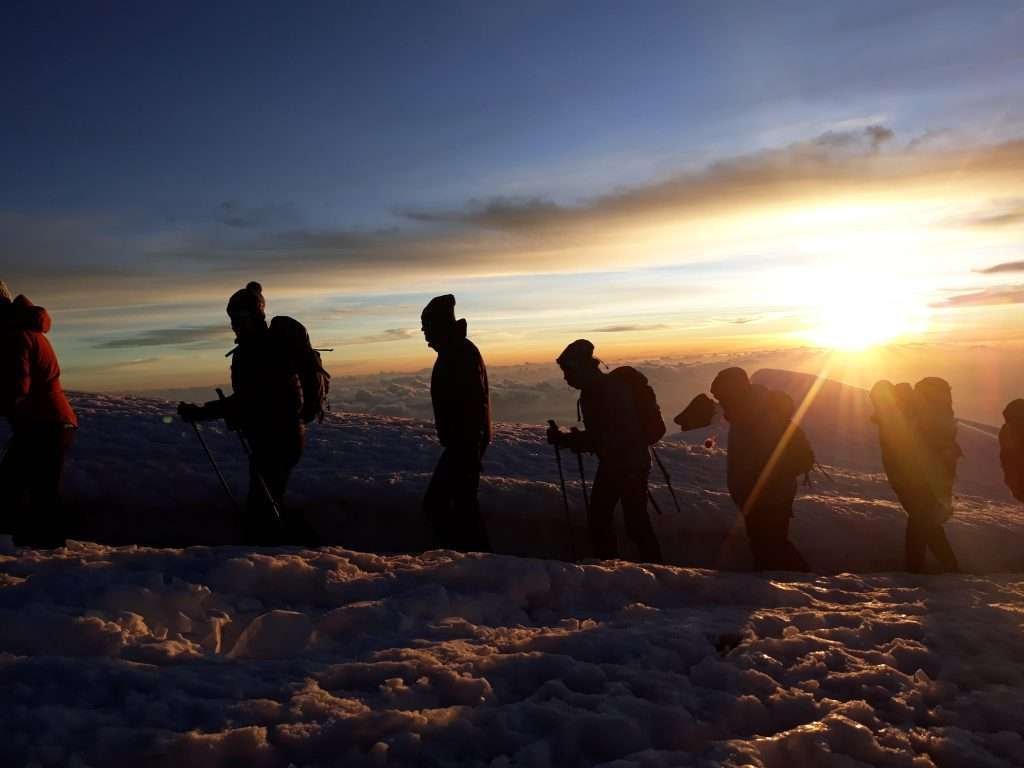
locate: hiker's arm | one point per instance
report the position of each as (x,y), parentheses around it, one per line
(474,414)
(17,379)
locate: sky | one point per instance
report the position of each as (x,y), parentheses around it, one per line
(667,179)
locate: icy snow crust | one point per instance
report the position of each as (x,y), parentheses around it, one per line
(225,656)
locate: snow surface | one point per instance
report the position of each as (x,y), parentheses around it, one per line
(138,475)
(228,657)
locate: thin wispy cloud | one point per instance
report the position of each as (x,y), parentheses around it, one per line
(629,328)
(1005,294)
(1009,266)
(171,337)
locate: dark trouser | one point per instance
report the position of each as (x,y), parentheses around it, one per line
(273,459)
(924,533)
(611,487)
(451,503)
(768,531)
(33,466)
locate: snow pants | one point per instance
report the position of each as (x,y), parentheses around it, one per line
(923,533)
(33,467)
(768,531)
(451,504)
(273,459)
(611,487)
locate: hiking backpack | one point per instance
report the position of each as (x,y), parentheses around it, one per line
(305,361)
(648,413)
(798,457)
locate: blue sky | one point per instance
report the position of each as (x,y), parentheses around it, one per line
(156,158)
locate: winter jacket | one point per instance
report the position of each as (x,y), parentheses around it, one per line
(266,399)
(30,390)
(1011,457)
(460,395)
(613,431)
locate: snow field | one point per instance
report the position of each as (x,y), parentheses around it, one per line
(227,656)
(135,478)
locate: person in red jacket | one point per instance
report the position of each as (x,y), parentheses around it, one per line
(42,421)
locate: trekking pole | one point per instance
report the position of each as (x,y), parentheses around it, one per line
(583,479)
(654,503)
(668,480)
(213,463)
(565,494)
(252,467)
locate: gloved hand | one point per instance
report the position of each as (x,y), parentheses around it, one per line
(555,435)
(190,412)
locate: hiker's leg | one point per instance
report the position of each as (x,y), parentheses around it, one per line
(437,503)
(638,521)
(916,544)
(470,531)
(51,445)
(940,547)
(603,498)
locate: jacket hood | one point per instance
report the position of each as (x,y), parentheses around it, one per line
(22,315)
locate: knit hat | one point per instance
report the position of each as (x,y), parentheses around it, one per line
(730,380)
(579,352)
(248,299)
(440,311)
(5,293)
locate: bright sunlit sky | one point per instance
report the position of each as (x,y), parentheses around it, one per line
(664,178)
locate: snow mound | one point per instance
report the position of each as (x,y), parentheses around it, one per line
(225,656)
(137,475)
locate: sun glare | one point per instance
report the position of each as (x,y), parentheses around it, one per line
(853,315)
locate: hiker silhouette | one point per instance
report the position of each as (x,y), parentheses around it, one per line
(917,438)
(42,421)
(622,420)
(278,385)
(462,417)
(1011,448)
(766,454)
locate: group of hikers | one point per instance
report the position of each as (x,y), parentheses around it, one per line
(279,386)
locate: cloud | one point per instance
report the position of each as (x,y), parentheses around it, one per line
(391,334)
(1009,266)
(233,214)
(168,337)
(848,160)
(100,260)
(1003,294)
(629,328)
(1005,214)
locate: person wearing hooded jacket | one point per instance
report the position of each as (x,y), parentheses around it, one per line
(758,475)
(42,420)
(917,438)
(460,397)
(266,406)
(613,432)
(1011,448)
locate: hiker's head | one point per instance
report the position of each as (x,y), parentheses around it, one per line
(248,310)
(438,320)
(1014,412)
(883,396)
(731,387)
(578,364)
(935,392)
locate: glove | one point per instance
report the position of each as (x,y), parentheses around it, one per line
(555,435)
(190,412)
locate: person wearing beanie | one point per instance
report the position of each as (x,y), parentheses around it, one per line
(266,406)
(42,421)
(462,417)
(615,409)
(1011,448)
(762,479)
